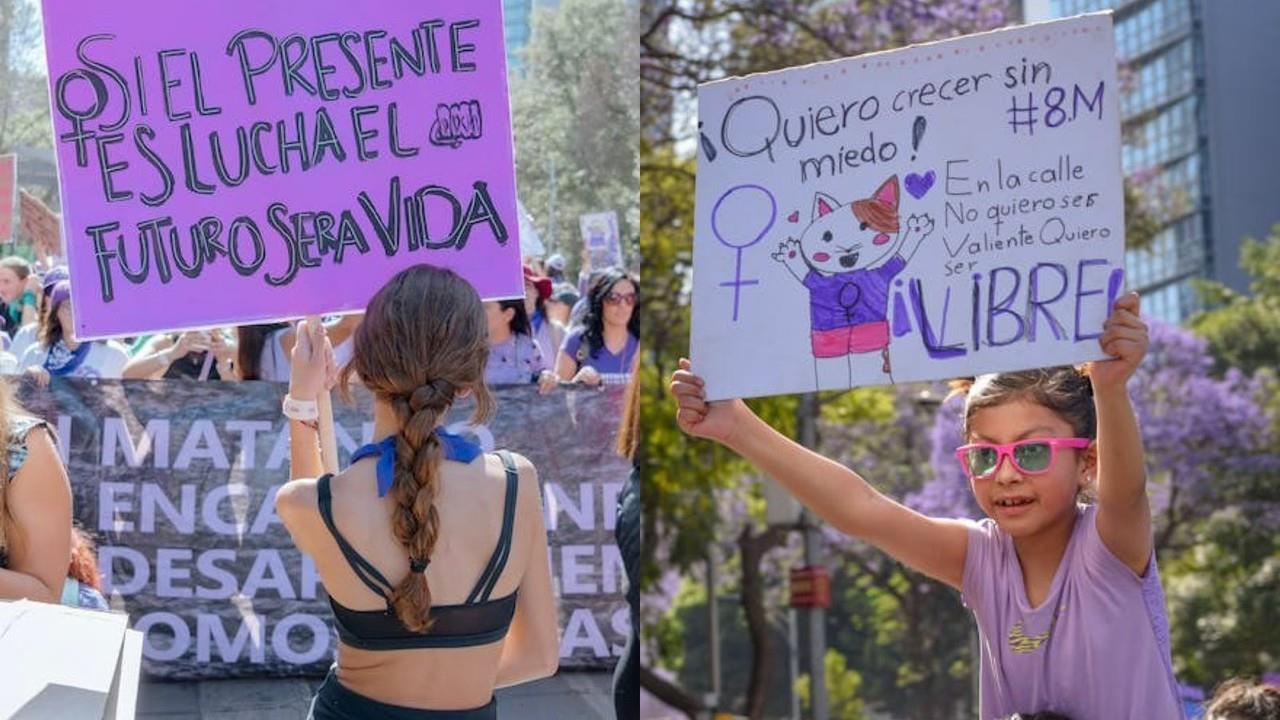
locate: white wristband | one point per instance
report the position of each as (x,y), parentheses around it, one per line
(300,409)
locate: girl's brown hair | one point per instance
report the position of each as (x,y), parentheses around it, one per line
(18,265)
(423,341)
(51,330)
(1064,390)
(250,340)
(629,432)
(1241,699)
(84,566)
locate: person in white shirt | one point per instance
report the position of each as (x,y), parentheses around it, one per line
(263,351)
(29,333)
(58,352)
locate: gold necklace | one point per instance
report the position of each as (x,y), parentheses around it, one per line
(1021,643)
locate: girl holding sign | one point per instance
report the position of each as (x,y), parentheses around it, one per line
(1066,595)
(433,553)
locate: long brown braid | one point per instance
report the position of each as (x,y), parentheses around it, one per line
(424,340)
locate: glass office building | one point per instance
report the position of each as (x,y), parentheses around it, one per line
(1194,133)
(517,16)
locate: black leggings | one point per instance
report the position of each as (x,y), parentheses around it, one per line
(626,681)
(335,702)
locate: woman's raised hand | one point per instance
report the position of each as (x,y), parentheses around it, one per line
(312,368)
(189,342)
(547,382)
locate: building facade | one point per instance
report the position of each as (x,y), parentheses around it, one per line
(1198,127)
(517,18)
(517,21)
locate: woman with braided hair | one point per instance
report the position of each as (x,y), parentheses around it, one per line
(433,553)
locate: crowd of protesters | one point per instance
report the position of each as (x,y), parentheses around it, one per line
(559,334)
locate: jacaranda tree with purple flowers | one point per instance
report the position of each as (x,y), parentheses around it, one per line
(906,634)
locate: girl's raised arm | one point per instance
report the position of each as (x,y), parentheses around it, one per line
(1124,514)
(312,372)
(935,547)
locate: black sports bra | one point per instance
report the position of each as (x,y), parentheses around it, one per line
(478,621)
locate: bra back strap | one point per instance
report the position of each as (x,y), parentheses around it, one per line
(363,569)
(489,578)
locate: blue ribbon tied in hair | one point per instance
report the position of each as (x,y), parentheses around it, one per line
(456,448)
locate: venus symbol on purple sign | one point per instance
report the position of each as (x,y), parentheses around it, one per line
(735,243)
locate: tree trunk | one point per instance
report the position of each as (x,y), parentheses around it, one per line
(1164,539)
(753,547)
(671,694)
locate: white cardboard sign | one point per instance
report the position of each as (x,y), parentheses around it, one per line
(61,662)
(930,212)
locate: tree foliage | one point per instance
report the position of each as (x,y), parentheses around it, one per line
(24,94)
(843,686)
(576,109)
(907,634)
(1244,330)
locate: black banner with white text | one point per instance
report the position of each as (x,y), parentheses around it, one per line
(176,480)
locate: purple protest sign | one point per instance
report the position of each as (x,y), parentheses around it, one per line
(235,162)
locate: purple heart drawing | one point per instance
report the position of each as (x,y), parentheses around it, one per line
(794,217)
(918,185)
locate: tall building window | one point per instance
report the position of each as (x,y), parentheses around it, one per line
(516,18)
(1161,135)
(1166,77)
(1162,138)
(1152,26)
(1064,8)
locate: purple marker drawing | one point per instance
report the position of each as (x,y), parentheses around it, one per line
(918,185)
(737,283)
(1114,284)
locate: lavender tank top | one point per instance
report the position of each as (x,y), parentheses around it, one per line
(1097,648)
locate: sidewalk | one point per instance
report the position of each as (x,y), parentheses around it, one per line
(569,694)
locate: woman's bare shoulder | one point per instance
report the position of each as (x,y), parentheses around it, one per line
(525,470)
(297,496)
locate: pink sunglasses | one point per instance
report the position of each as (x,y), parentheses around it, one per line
(1033,456)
